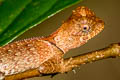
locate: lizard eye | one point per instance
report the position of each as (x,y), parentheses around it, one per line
(86,28)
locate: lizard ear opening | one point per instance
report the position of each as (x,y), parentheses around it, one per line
(83,11)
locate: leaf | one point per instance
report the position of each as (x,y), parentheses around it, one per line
(26,16)
(9,11)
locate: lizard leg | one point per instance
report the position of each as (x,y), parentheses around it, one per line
(51,66)
(66,65)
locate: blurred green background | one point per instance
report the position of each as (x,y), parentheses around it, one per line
(109,69)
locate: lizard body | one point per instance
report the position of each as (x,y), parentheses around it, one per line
(45,54)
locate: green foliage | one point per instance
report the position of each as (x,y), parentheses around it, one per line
(17,16)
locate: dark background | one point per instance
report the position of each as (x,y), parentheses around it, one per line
(109,69)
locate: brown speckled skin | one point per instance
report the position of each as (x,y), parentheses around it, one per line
(24,55)
(45,54)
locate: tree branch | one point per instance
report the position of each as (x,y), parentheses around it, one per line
(70,63)
(108,52)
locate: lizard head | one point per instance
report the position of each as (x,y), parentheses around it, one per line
(78,29)
(86,24)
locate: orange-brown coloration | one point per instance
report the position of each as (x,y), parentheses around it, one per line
(77,30)
(45,54)
(24,55)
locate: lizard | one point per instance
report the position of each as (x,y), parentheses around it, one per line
(45,54)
